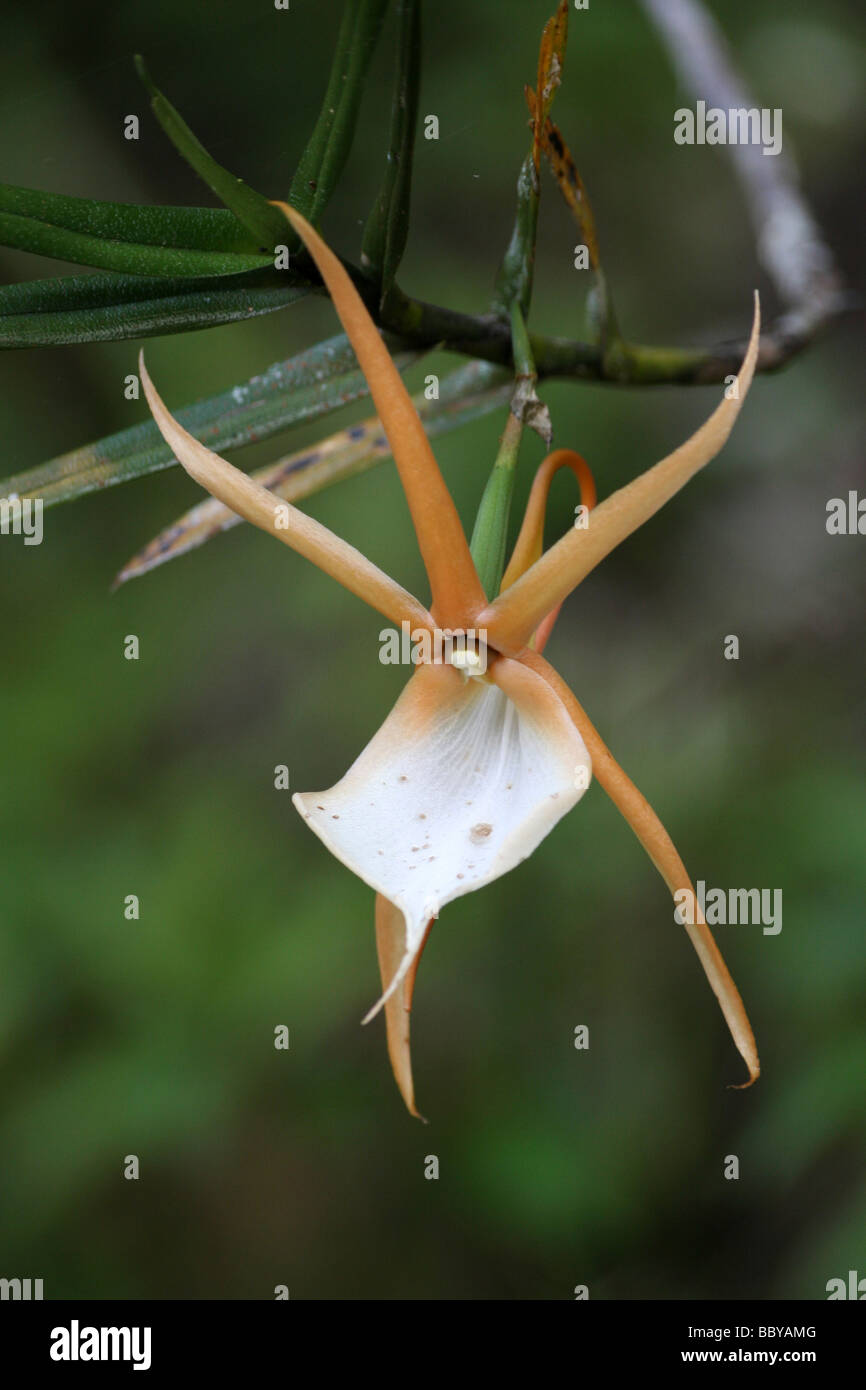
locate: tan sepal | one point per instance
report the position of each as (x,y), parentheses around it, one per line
(513,616)
(454,582)
(662,851)
(391,948)
(279,518)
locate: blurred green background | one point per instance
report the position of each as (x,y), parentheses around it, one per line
(155,1037)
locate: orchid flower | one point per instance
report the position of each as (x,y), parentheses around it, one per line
(485,752)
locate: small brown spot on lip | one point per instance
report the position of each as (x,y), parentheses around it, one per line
(402,777)
(479,833)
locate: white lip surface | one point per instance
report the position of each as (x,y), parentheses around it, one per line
(461,783)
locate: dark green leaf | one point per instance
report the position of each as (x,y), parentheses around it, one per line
(111,308)
(254,211)
(133,258)
(388,225)
(328,147)
(201,229)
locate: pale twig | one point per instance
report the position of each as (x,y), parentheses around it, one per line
(789,242)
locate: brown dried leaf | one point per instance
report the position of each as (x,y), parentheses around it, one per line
(551,56)
(571,185)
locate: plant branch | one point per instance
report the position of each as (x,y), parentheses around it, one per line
(789,242)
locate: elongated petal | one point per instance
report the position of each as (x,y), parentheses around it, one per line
(279,518)
(514,616)
(530,541)
(662,851)
(454,583)
(391,947)
(461,783)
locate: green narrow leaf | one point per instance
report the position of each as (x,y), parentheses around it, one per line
(253,210)
(112,308)
(305,183)
(328,148)
(302,388)
(199,229)
(388,225)
(43,239)
(466,394)
(514,280)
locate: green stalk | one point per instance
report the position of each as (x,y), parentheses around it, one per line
(490,533)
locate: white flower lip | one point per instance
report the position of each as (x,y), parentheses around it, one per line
(461,783)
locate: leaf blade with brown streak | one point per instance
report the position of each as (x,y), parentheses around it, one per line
(467,394)
(551,59)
